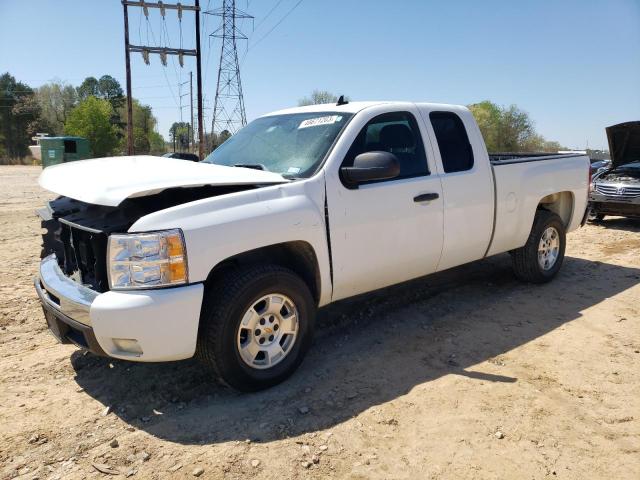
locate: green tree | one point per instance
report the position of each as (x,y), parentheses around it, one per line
(318,97)
(106,88)
(91,119)
(487,114)
(157,145)
(88,88)
(214,140)
(179,134)
(56,100)
(109,89)
(145,137)
(143,125)
(223,136)
(516,131)
(19,116)
(509,129)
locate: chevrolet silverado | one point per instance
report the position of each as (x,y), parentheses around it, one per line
(155,259)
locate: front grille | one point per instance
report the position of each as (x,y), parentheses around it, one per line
(84,256)
(618,191)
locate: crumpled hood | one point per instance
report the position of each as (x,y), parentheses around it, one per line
(624,143)
(109,181)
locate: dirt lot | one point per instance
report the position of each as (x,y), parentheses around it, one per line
(465,374)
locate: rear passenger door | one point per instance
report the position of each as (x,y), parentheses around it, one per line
(467,186)
(387,231)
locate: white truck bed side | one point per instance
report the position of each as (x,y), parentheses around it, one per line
(521,185)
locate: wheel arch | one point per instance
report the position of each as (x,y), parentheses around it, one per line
(560,203)
(299,256)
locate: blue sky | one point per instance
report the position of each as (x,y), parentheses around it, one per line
(574,65)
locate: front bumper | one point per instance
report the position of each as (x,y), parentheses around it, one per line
(144,325)
(65,328)
(607,205)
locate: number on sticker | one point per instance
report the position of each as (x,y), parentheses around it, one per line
(314,122)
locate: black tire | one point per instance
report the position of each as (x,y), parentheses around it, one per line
(525,259)
(224,306)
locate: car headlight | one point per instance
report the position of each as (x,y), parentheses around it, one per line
(147,260)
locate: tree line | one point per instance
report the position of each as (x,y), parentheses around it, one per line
(505,129)
(509,129)
(94,110)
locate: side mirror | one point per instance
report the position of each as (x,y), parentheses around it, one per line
(371,166)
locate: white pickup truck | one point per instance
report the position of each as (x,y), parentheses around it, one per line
(155,259)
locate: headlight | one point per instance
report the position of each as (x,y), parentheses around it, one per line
(147,260)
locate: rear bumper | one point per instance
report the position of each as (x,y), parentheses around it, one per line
(145,325)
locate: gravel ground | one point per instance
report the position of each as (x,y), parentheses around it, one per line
(464,374)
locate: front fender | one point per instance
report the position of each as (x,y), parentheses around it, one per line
(221,227)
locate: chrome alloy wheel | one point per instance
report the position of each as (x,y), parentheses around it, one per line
(268,331)
(548,248)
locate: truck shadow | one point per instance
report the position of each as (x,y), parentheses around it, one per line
(368,351)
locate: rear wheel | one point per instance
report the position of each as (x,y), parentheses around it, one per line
(256,326)
(540,259)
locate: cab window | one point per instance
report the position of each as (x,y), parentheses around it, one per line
(455,150)
(396,133)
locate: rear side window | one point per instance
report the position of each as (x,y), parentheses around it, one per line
(397,133)
(453,142)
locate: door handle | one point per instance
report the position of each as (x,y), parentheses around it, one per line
(426,197)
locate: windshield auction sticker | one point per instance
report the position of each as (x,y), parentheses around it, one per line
(318,121)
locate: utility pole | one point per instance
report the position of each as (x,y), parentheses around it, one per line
(180,95)
(191,136)
(163,52)
(199,80)
(128,71)
(228,107)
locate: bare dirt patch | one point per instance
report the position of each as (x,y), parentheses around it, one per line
(465,374)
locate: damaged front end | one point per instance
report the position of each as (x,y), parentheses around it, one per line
(78,232)
(616,191)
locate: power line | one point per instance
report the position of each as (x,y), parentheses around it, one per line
(267,15)
(272,28)
(151,86)
(276,25)
(204,24)
(164,73)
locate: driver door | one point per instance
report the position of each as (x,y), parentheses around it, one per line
(385,232)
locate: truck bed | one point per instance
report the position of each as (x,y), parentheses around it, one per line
(505,158)
(521,180)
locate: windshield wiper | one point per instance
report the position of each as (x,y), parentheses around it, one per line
(255,166)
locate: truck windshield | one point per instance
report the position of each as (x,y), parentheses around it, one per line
(293,145)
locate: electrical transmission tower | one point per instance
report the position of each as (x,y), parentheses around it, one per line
(228,108)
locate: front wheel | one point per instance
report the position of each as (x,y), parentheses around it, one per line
(540,259)
(256,326)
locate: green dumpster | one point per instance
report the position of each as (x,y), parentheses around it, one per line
(55,150)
